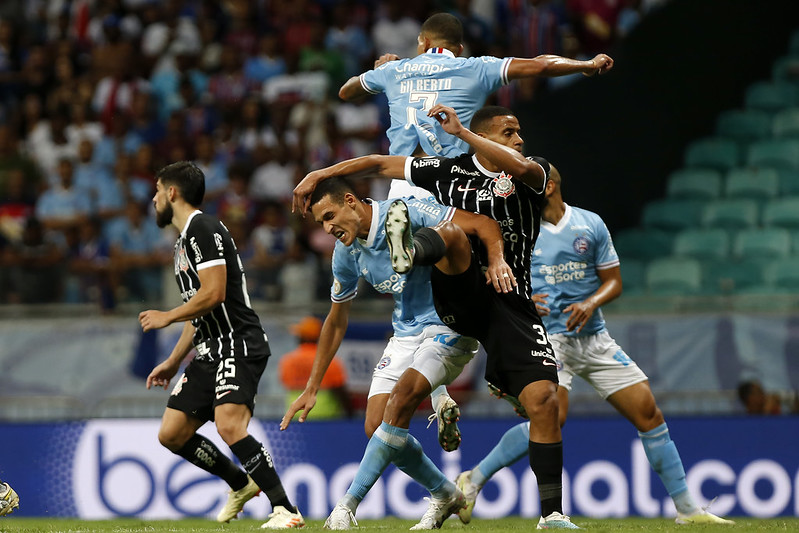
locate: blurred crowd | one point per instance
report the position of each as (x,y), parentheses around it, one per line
(96,95)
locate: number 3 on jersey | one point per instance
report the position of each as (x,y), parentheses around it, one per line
(428,100)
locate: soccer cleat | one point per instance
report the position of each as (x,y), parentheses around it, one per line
(340,518)
(702,517)
(399,237)
(470,491)
(9,499)
(282,518)
(449,436)
(555,520)
(517,405)
(439,510)
(236,500)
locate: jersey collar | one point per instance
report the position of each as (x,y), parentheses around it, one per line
(564,220)
(483,169)
(188,221)
(440,50)
(370,239)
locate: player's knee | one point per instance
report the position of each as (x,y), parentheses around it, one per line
(230,431)
(171,440)
(650,418)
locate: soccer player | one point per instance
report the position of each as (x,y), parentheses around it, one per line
(9,499)
(422,354)
(232,350)
(575,270)
(500,182)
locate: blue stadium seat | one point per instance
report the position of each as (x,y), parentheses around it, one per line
(786,124)
(744,125)
(762,244)
(731,214)
(771,96)
(642,243)
(702,244)
(694,184)
(674,276)
(782,212)
(754,183)
(775,153)
(714,153)
(672,215)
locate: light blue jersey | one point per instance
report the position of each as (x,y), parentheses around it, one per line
(369,259)
(415,85)
(564,265)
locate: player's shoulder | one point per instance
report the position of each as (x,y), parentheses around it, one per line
(484,59)
(587,218)
(202,222)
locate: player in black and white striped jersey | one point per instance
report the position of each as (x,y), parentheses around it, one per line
(232,351)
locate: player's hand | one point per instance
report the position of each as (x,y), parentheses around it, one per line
(385,58)
(501,277)
(447,117)
(540,301)
(579,313)
(302,193)
(304,402)
(152,319)
(602,63)
(162,375)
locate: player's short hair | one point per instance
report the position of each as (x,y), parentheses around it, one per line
(187,178)
(483,117)
(336,188)
(444,27)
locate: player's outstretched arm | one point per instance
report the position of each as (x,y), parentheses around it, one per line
(211,293)
(330,338)
(549,65)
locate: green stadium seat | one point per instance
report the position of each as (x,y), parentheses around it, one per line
(754,183)
(782,212)
(702,244)
(712,152)
(672,215)
(786,124)
(783,274)
(694,184)
(775,153)
(771,96)
(642,243)
(744,125)
(726,277)
(732,214)
(789,181)
(674,276)
(762,244)
(633,276)
(786,69)
(795,242)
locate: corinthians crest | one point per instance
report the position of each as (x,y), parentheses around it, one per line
(503,185)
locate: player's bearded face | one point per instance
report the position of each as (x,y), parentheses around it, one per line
(163,216)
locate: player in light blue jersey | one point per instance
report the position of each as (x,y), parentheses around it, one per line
(422,354)
(575,270)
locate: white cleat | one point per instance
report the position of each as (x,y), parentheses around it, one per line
(9,499)
(470,491)
(282,518)
(236,500)
(555,520)
(399,237)
(440,510)
(449,436)
(340,518)
(702,517)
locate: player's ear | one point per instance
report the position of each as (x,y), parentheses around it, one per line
(460,50)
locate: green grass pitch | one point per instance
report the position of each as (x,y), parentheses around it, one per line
(388,525)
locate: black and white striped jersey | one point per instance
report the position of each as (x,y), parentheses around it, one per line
(232,328)
(464,183)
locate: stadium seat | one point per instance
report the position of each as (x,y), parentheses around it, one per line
(694,184)
(672,215)
(782,212)
(786,69)
(633,275)
(642,244)
(702,244)
(775,153)
(783,274)
(744,125)
(789,182)
(795,242)
(731,214)
(757,184)
(771,96)
(712,152)
(673,276)
(725,277)
(762,244)
(786,124)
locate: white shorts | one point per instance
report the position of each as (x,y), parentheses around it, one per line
(598,360)
(438,353)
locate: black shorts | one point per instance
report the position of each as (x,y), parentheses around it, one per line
(507,325)
(206,384)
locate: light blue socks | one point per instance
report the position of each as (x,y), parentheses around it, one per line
(665,460)
(511,447)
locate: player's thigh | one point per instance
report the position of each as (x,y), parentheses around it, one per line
(396,359)
(606,367)
(567,353)
(236,380)
(176,428)
(442,354)
(193,393)
(375,407)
